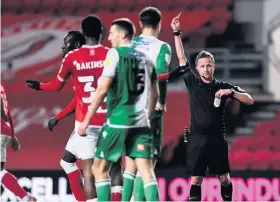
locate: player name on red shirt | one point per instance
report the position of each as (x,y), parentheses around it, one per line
(85,65)
(89,65)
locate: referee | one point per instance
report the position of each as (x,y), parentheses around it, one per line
(207,146)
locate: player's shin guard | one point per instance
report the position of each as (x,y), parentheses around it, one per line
(128,181)
(11,183)
(103,190)
(151,190)
(75,179)
(195,193)
(138,191)
(116,193)
(226,192)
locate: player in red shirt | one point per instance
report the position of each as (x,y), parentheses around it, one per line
(8,137)
(85,66)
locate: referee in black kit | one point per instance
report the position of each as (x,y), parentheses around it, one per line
(207,146)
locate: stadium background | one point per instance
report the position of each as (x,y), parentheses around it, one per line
(243,35)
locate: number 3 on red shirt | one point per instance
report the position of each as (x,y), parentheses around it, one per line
(88,88)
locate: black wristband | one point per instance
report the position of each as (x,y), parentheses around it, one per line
(177,33)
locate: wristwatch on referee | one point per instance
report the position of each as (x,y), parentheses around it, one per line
(177,32)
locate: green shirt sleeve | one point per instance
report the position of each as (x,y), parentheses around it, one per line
(162,67)
(163,59)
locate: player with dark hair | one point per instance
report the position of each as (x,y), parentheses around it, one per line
(8,137)
(207,145)
(85,66)
(158,53)
(130,83)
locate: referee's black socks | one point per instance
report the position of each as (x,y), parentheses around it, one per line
(195,193)
(226,192)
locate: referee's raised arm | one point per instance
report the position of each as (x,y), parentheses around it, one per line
(175,24)
(184,67)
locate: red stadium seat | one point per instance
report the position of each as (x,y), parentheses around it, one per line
(11,6)
(87,4)
(30,5)
(182,4)
(162,4)
(191,20)
(67,6)
(222,3)
(245,143)
(240,159)
(49,5)
(107,5)
(124,5)
(272,142)
(140,4)
(275,161)
(201,4)
(262,159)
(267,128)
(84,12)
(221,13)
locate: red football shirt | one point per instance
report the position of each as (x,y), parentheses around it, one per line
(85,66)
(6,119)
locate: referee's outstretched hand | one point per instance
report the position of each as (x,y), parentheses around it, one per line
(175,24)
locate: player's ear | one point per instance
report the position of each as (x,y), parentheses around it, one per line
(77,45)
(141,25)
(159,25)
(123,34)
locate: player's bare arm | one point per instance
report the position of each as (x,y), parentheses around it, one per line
(243,97)
(68,110)
(179,71)
(98,98)
(240,95)
(175,24)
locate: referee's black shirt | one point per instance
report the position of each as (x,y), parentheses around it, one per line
(206,119)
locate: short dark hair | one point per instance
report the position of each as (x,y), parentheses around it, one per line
(92,27)
(150,17)
(204,54)
(126,25)
(77,37)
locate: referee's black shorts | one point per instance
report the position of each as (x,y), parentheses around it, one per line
(207,151)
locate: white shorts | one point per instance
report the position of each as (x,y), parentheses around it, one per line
(83,147)
(4,141)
